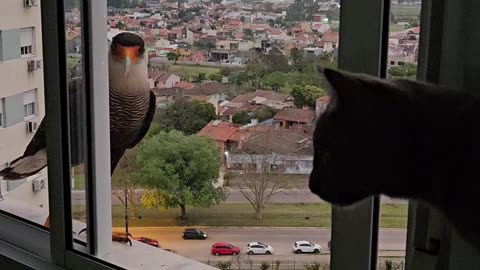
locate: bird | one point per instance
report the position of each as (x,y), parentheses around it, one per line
(132,109)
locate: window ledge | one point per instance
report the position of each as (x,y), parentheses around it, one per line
(138,256)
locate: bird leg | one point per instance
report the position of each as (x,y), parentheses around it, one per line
(116,236)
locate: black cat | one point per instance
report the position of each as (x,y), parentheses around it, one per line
(400,138)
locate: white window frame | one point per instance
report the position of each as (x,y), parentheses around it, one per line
(30,99)
(27,43)
(2,113)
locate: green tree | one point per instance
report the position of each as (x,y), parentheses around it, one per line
(177,170)
(199,77)
(306,96)
(172,56)
(248,32)
(295,55)
(405,71)
(264,113)
(241,118)
(275,61)
(186,116)
(242,19)
(225,71)
(275,80)
(215,77)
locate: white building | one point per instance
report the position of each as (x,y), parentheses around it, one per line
(21,92)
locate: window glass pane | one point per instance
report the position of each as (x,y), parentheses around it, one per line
(402,64)
(22,94)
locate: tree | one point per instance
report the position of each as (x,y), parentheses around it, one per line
(225,71)
(199,77)
(271,23)
(178,171)
(121,25)
(241,118)
(306,96)
(172,56)
(242,19)
(405,71)
(275,80)
(264,113)
(215,77)
(295,55)
(275,61)
(260,182)
(186,116)
(124,186)
(248,32)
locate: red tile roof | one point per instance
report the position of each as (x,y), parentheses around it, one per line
(218,130)
(184,85)
(295,115)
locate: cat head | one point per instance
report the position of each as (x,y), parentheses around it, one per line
(361,139)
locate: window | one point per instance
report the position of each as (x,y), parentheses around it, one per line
(29,103)
(26,41)
(2,113)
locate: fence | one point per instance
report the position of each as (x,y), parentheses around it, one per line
(248,264)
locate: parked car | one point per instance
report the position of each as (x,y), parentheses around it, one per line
(306,246)
(224,248)
(193,233)
(259,248)
(148,241)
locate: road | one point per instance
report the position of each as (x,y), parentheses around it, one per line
(391,243)
(288,196)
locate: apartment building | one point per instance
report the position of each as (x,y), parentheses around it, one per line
(21,91)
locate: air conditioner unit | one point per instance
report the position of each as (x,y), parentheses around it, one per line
(38,64)
(32,65)
(34,2)
(39,184)
(28,3)
(32,126)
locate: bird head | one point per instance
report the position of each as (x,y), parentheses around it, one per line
(127,54)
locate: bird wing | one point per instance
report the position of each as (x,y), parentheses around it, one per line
(34,158)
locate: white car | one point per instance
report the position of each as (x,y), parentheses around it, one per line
(306,246)
(259,248)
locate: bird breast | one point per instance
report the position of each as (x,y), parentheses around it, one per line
(127,114)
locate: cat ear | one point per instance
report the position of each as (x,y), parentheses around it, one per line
(349,87)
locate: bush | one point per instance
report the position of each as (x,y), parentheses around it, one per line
(223,265)
(264,266)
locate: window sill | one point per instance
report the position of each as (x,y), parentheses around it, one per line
(30,117)
(137,256)
(28,56)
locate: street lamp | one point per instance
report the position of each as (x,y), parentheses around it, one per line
(126,213)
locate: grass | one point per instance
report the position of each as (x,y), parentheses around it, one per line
(396,27)
(242,214)
(289,181)
(192,70)
(406,13)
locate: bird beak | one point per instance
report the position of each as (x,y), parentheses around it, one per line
(128,62)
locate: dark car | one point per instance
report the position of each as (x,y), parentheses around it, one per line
(148,241)
(193,233)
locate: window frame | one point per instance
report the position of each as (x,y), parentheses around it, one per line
(29,46)
(2,113)
(355,231)
(31,244)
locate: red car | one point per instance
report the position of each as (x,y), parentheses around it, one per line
(148,241)
(224,248)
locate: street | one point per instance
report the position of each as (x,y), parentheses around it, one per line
(391,242)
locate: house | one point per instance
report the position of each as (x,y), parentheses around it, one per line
(166,96)
(197,56)
(331,37)
(185,85)
(220,132)
(162,79)
(271,99)
(282,150)
(73,41)
(212,92)
(287,117)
